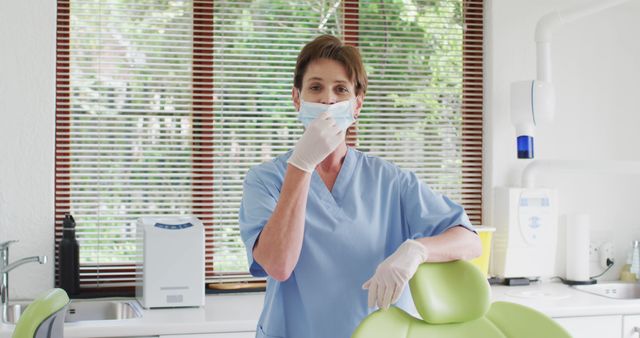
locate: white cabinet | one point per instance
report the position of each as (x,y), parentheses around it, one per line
(214,335)
(631,326)
(593,326)
(602,326)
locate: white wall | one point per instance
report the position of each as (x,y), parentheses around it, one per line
(595,71)
(27,111)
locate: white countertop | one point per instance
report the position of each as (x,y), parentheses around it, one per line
(559,300)
(240,312)
(221,313)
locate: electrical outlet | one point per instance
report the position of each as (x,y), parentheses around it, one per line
(605,254)
(594,252)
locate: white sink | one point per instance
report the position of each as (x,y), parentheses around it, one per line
(617,290)
(80,310)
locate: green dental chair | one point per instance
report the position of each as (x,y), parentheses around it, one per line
(44,317)
(454,301)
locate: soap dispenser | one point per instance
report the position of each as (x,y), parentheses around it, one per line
(631,270)
(625,273)
(69,260)
(635,260)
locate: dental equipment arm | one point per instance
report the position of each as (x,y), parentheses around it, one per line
(596,167)
(533,101)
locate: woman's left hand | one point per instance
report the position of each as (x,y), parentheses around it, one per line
(393,273)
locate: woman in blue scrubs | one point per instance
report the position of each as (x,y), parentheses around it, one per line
(337,232)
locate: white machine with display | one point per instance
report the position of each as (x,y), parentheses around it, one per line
(173,262)
(526,221)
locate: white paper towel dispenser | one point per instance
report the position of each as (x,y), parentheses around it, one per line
(172,266)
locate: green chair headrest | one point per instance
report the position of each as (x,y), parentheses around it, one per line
(451,292)
(45,305)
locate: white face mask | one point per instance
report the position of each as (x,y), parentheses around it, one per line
(342,112)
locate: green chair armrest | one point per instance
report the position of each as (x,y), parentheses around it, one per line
(516,320)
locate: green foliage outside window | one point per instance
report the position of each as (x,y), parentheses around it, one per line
(126,77)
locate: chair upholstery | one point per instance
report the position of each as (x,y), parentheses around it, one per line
(453,300)
(44,317)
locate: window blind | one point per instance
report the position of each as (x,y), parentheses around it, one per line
(163,105)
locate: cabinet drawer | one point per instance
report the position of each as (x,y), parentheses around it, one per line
(631,326)
(592,326)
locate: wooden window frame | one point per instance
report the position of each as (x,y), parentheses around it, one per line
(203,113)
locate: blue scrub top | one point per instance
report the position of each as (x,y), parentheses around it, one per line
(374,207)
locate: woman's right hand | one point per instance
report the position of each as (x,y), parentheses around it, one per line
(318,141)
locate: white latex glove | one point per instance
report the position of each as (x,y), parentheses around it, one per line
(386,285)
(319,140)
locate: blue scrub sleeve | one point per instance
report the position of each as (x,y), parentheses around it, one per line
(425,213)
(255,210)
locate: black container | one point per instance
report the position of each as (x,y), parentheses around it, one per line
(69,257)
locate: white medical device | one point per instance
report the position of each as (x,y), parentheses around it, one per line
(524,244)
(172,262)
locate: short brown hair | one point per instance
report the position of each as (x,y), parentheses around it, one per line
(330,47)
